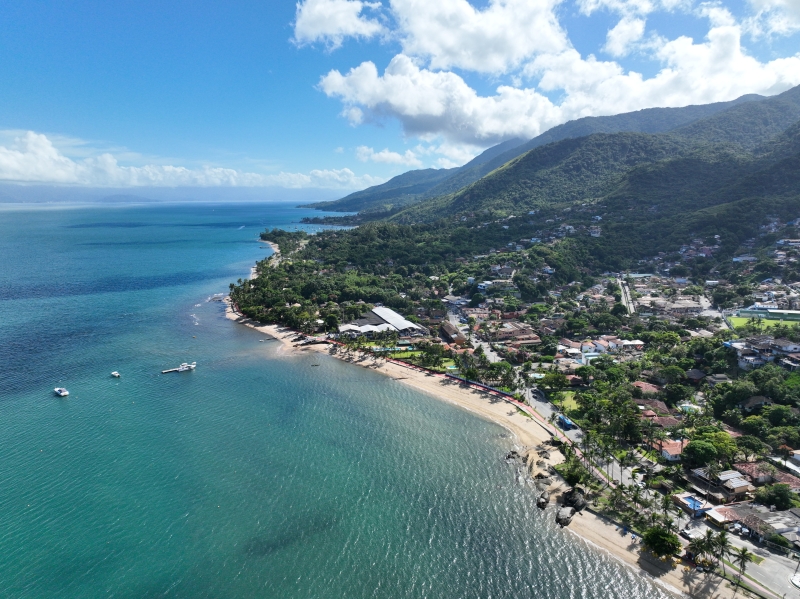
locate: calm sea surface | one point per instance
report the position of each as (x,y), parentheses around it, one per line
(257,475)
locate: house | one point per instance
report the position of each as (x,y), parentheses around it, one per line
(665,421)
(452,334)
(726,486)
(517,331)
(717,379)
(785,346)
(601,345)
(757,401)
(633,344)
(646,388)
(670,450)
(695,375)
(659,407)
(760,475)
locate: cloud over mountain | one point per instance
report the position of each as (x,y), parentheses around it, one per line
(539,77)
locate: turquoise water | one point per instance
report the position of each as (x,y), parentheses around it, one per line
(257,475)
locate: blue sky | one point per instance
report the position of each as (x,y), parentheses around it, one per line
(343,93)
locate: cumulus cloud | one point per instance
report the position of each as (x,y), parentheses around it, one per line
(774,17)
(432,103)
(332,21)
(439,102)
(620,39)
(366,154)
(33,158)
(453,33)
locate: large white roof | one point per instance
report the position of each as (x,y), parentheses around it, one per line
(395,319)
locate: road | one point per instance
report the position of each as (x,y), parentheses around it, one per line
(487,348)
(775,572)
(626,296)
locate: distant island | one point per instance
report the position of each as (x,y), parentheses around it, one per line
(632,280)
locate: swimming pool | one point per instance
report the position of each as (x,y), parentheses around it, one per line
(694,503)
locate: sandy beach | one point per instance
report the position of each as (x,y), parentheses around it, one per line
(599,534)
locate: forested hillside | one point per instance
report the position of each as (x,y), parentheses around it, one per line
(419,185)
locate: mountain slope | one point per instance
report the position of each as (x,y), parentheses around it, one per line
(748,125)
(555,175)
(397,190)
(649,120)
(419,185)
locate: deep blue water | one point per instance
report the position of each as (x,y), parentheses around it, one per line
(254,476)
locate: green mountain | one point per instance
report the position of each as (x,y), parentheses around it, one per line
(419,185)
(404,189)
(560,174)
(649,120)
(397,191)
(750,124)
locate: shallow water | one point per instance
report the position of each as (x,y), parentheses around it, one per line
(257,475)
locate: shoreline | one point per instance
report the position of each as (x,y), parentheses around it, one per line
(596,531)
(275,252)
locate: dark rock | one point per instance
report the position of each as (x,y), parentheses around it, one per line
(564,516)
(543,500)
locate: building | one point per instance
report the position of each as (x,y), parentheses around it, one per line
(670,450)
(380,320)
(757,401)
(717,379)
(725,487)
(761,473)
(452,334)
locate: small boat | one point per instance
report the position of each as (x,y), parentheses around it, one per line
(182,368)
(115,374)
(61,392)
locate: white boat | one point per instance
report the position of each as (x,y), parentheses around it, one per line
(61,392)
(115,374)
(182,368)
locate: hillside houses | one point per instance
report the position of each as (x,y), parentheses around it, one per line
(754,352)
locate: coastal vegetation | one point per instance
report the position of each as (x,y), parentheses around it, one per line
(534,257)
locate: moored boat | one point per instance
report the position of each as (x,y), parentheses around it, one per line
(115,374)
(61,392)
(182,368)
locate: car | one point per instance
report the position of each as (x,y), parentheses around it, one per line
(641,484)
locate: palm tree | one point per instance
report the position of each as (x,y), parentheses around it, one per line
(697,547)
(709,541)
(741,557)
(722,547)
(711,471)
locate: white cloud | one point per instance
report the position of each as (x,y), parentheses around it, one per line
(431,103)
(632,7)
(333,20)
(365,154)
(623,35)
(33,158)
(774,17)
(453,33)
(439,103)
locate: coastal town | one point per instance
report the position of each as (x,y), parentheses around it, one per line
(673,399)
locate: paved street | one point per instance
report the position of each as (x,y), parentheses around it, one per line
(774,572)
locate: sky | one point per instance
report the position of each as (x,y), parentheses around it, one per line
(344,94)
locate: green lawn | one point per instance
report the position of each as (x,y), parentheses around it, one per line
(568,402)
(738,321)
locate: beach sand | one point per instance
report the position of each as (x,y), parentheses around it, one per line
(599,534)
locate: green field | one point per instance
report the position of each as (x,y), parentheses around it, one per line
(738,321)
(568,401)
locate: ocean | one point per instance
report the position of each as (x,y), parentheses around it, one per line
(261,474)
